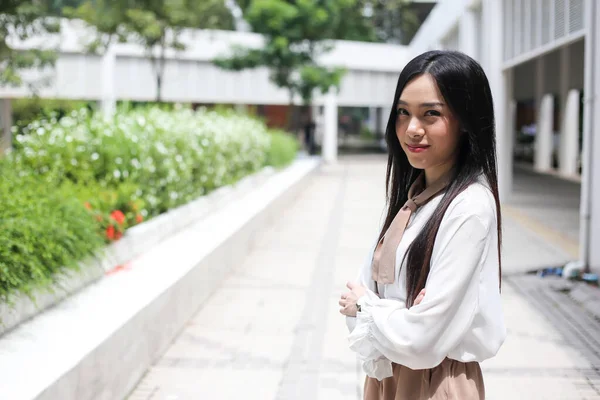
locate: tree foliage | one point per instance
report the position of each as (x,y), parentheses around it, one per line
(295,35)
(21,19)
(392,21)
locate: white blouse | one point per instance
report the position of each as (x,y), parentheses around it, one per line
(460,316)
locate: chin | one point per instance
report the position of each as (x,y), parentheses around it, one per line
(417,163)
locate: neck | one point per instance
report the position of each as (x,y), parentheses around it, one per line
(434,174)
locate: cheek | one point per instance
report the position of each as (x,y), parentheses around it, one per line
(400,130)
(445,140)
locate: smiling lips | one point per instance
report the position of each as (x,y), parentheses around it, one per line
(417,148)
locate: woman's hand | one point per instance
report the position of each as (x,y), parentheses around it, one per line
(349,299)
(420,297)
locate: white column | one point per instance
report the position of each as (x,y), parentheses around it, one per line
(384,116)
(331,127)
(544,135)
(565,70)
(108,101)
(467,34)
(372,123)
(569,136)
(318,120)
(540,73)
(501,83)
(590,187)
(5,126)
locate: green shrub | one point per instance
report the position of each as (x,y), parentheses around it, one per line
(74,183)
(27,110)
(43,231)
(172,156)
(283,149)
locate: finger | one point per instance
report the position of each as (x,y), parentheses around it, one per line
(422,292)
(351,285)
(419,299)
(342,303)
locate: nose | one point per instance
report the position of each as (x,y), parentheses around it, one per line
(414,129)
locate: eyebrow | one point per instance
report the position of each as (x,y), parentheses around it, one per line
(432,104)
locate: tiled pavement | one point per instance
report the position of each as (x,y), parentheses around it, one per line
(273,331)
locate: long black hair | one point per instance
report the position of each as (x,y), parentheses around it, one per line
(466,90)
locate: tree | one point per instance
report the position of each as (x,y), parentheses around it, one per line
(295,34)
(21,19)
(154,24)
(392,21)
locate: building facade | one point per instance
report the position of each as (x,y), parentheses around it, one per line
(541,57)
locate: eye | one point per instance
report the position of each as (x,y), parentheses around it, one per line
(402,111)
(432,113)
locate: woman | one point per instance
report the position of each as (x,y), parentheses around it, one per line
(426,308)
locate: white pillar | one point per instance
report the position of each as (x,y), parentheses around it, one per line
(544,135)
(590,186)
(5,126)
(331,127)
(318,120)
(565,71)
(108,101)
(569,136)
(467,34)
(501,83)
(384,116)
(540,73)
(372,123)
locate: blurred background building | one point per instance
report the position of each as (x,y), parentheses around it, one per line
(540,56)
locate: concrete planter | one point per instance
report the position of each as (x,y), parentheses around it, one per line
(99,342)
(136,241)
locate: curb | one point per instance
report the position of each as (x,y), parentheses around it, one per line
(99,343)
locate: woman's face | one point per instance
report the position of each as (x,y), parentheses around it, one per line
(426,129)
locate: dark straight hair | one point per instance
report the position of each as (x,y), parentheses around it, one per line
(466,90)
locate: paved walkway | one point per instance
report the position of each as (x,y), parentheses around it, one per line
(273,331)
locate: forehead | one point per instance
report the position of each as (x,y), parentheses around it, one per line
(421,89)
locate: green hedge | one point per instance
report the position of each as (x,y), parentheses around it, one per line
(283,149)
(75,183)
(43,231)
(172,156)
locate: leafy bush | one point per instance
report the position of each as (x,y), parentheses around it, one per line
(27,110)
(172,156)
(74,183)
(283,149)
(42,232)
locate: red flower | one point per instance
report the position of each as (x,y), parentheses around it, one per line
(118,216)
(87,205)
(139,219)
(110,232)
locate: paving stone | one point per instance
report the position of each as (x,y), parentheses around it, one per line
(272,331)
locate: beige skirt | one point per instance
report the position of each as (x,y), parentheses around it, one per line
(451,380)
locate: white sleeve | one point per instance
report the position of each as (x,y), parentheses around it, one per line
(422,336)
(364,278)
